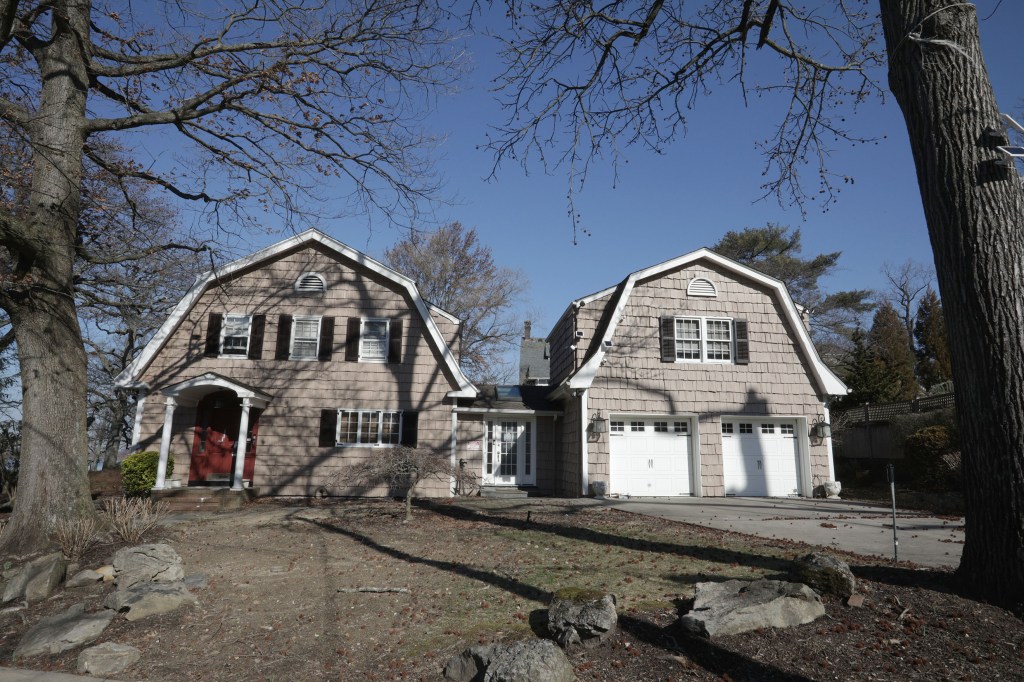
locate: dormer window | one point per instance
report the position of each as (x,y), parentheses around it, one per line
(701,286)
(311,283)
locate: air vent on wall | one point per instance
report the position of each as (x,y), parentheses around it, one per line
(311,283)
(700,286)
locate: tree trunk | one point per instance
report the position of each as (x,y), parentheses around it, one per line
(974,209)
(53,484)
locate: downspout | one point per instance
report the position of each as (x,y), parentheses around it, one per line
(140,408)
(828,446)
(454,456)
(584,474)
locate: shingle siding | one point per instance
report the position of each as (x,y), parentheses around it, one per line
(288,458)
(634,379)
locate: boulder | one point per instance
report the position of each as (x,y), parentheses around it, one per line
(825,574)
(63,631)
(153,563)
(84,579)
(107,572)
(37,579)
(537,660)
(149,599)
(735,606)
(578,616)
(107,659)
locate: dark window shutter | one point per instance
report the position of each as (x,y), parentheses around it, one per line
(284,337)
(213,327)
(668,339)
(410,426)
(352,340)
(259,323)
(742,342)
(328,428)
(326,339)
(395,341)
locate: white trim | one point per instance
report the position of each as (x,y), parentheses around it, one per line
(498,410)
(316,337)
(387,339)
(260,400)
(585,455)
(828,382)
(828,446)
(454,461)
(359,427)
(443,313)
(223,335)
(465,388)
(140,409)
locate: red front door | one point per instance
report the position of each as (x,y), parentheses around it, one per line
(216,436)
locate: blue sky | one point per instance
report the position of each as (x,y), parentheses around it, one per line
(688,196)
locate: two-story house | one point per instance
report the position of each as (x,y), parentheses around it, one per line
(692,377)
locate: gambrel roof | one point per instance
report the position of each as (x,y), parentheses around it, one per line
(465,388)
(582,378)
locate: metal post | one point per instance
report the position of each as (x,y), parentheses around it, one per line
(890,475)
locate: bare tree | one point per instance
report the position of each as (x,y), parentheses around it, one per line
(455,271)
(597,76)
(267,103)
(402,469)
(907,281)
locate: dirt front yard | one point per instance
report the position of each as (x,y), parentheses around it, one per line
(479,572)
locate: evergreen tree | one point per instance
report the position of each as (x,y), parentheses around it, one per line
(890,342)
(865,375)
(777,252)
(933,361)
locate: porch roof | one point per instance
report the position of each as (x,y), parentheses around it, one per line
(192,390)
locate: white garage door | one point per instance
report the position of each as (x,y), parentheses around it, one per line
(760,457)
(650,456)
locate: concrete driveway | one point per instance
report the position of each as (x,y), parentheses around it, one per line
(851,526)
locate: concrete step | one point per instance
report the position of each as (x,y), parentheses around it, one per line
(506,492)
(204,498)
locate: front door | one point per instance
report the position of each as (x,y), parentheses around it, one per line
(510,458)
(216,437)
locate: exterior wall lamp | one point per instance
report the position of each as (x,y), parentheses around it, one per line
(598,424)
(821,429)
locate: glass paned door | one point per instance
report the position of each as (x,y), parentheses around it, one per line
(509,459)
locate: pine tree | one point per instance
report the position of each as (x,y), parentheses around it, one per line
(865,375)
(890,342)
(933,361)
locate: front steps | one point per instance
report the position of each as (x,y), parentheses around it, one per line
(508,492)
(202,498)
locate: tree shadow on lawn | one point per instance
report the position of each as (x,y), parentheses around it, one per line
(604,539)
(704,653)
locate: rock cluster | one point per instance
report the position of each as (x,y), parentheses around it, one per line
(150,580)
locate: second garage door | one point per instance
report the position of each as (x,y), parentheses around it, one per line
(650,456)
(760,457)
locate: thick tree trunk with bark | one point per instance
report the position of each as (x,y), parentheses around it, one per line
(53,483)
(975,213)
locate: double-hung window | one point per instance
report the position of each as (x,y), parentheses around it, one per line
(305,338)
(698,339)
(369,427)
(373,341)
(234,339)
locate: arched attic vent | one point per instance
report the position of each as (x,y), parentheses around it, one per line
(700,286)
(311,283)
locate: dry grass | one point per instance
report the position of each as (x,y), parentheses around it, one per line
(76,537)
(133,517)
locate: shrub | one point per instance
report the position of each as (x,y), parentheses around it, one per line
(932,457)
(75,537)
(138,471)
(133,517)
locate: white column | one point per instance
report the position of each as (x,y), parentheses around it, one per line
(585,449)
(242,445)
(165,443)
(140,408)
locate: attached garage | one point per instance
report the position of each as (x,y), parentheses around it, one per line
(651,456)
(761,457)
